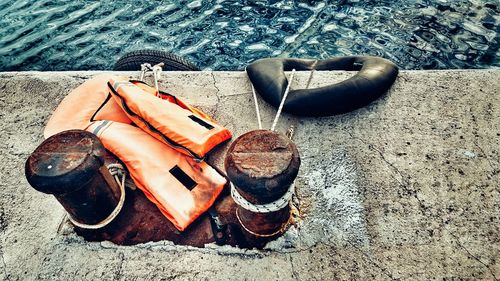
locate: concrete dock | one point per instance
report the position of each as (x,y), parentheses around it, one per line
(406,188)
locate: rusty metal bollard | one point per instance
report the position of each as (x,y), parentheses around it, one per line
(262,166)
(70,166)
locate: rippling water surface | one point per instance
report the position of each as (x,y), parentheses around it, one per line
(228,35)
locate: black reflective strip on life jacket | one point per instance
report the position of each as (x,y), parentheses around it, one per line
(100,107)
(150,127)
(201,122)
(182,177)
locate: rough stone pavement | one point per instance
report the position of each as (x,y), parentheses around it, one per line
(405,188)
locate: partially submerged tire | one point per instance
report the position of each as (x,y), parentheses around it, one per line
(132,61)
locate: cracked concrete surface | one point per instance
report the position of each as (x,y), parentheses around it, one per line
(406,188)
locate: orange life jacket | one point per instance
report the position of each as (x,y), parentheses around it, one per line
(89,101)
(181,187)
(169,120)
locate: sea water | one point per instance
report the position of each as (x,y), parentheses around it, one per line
(228,35)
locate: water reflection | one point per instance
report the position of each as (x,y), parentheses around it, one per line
(228,35)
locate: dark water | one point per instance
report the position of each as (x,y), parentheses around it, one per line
(228,35)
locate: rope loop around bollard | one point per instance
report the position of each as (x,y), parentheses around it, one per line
(274,206)
(279,231)
(116,170)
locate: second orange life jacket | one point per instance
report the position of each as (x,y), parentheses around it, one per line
(169,120)
(181,187)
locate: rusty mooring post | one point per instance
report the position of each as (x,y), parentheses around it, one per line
(262,166)
(70,166)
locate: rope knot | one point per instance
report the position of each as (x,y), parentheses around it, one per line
(116,169)
(156,69)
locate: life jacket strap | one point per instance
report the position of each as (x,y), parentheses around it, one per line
(218,228)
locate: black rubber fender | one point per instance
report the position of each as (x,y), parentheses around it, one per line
(375,76)
(132,61)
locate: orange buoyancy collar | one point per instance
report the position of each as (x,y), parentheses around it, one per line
(181,187)
(169,120)
(89,101)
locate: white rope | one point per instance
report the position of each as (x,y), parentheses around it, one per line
(256,107)
(156,69)
(283,100)
(313,68)
(156,74)
(145,67)
(278,231)
(263,208)
(257,111)
(116,170)
(290,132)
(310,78)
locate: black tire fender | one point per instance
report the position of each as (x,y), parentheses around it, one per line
(132,61)
(375,77)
